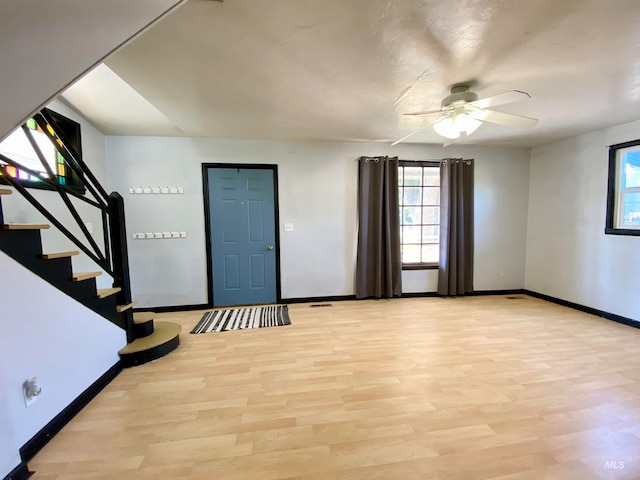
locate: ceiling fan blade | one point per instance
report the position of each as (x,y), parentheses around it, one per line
(424,113)
(508,97)
(506,119)
(414,132)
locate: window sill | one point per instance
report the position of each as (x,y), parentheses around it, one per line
(424,266)
(621,231)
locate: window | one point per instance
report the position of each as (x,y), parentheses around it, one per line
(419,190)
(623,196)
(17,147)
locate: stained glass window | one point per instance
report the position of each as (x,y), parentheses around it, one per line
(18,148)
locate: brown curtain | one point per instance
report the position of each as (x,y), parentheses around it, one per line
(378,265)
(455,273)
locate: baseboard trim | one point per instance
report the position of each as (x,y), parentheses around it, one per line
(517,291)
(339,298)
(593,311)
(335,298)
(21,472)
(419,295)
(40,439)
(174,308)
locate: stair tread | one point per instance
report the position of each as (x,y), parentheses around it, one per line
(164,332)
(105,292)
(143,317)
(25,226)
(122,308)
(52,255)
(78,277)
(5,191)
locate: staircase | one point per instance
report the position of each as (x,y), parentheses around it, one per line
(147,340)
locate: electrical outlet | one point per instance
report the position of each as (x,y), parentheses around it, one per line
(31,390)
(288,227)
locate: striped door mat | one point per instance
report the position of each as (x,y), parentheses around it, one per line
(241,318)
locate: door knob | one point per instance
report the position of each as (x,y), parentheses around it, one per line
(270,247)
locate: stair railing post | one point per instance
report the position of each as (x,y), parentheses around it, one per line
(120,257)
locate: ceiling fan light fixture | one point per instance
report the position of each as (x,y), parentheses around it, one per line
(466,123)
(446,127)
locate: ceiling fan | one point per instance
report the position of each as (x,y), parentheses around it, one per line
(462,113)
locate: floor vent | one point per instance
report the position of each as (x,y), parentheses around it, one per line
(315,305)
(514,298)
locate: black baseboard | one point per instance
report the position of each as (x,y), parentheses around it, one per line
(593,311)
(517,291)
(419,295)
(335,298)
(40,439)
(339,298)
(174,308)
(21,472)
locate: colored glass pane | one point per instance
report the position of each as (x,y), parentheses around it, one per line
(62,180)
(61,169)
(31,123)
(11,171)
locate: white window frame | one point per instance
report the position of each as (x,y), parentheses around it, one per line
(401,165)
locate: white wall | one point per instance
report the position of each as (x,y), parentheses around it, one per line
(318,194)
(18,210)
(568,254)
(46,334)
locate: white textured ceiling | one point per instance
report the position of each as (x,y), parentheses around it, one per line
(348,69)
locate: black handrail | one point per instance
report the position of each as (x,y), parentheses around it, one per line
(113,258)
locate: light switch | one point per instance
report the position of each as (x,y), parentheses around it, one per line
(180,190)
(148,235)
(166,234)
(164,189)
(288,227)
(155,189)
(146,189)
(137,190)
(183,234)
(175,234)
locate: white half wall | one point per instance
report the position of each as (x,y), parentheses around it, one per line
(568,254)
(48,335)
(318,194)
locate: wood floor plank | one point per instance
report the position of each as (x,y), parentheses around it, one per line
(473,388)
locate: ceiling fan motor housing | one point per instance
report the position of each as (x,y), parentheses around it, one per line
(459,94)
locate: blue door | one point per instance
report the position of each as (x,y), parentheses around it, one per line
(243,235)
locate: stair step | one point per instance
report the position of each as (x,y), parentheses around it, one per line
(165,339)
(143,317)
(143,324)
(51,256)
(122,308)
(5,191)
(25,226)
(105,292)
(80,276)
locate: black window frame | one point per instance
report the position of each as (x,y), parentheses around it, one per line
(612,191)
(71,131)
(416,163)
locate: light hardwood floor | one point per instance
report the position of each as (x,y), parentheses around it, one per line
(473,388)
